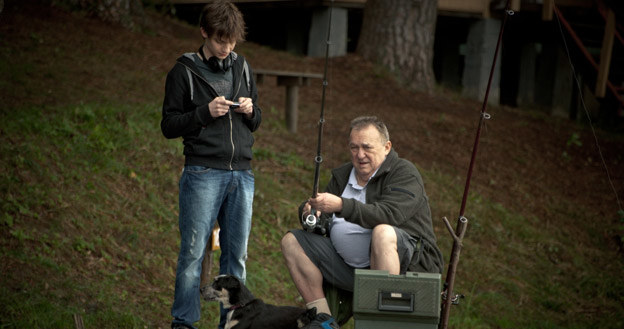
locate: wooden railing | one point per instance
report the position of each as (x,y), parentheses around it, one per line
(602,68)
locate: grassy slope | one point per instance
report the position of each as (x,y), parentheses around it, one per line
(89,197)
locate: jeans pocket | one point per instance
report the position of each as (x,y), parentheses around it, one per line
(196,169)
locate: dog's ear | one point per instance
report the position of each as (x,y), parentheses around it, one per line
(216,283)
(223,281)
(231,282)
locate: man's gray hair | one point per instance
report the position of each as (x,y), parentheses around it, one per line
(365,121)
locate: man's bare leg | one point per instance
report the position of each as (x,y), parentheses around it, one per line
(306,276)
(384,253)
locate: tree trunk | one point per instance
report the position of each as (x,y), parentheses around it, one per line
(128,13)
(399,34)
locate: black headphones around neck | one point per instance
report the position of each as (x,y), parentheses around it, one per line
(213,62)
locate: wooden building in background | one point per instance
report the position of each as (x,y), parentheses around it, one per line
(548,46)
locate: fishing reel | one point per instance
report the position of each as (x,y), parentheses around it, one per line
(314,224)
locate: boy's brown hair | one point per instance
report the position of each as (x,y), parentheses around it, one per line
(223,20)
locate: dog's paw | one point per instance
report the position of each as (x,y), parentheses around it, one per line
(320,321)
(306,318)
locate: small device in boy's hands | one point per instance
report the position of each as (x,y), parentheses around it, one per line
(234,106)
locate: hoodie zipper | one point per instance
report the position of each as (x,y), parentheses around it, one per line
(231,124)
(231,139)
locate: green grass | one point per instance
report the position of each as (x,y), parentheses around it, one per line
(89,217)
(534,278)
(82,210)
(90,198)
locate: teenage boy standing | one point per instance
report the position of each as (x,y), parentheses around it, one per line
(210,101)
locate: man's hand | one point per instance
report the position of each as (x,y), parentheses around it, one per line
(326,202)
(307,208)
(314,225)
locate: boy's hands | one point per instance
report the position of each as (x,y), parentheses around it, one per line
(221,106)
(246,107)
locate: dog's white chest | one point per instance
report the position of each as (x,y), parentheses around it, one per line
(229,323)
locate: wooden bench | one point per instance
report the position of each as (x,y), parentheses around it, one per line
(292,81)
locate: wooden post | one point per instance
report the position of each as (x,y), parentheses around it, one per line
(292,81)
(211,246)
(458,237)
(292,106)
(605,55)
(547,10)
(486,9)
(78,321)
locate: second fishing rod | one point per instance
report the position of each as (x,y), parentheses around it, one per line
(312,222)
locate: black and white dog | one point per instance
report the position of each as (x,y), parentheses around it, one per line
(247,311)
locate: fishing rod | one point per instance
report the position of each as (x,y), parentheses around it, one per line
(311,223)
(462,222)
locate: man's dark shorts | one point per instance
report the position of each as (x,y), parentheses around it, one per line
(336,272)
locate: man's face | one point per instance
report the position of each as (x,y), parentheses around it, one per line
(219,48)
(368,151)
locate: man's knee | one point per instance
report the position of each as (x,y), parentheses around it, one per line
(289,243)
(383,236)
(384,232)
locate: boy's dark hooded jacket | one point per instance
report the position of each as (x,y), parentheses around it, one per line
(221,143)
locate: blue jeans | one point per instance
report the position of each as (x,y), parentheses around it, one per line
(208,195)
